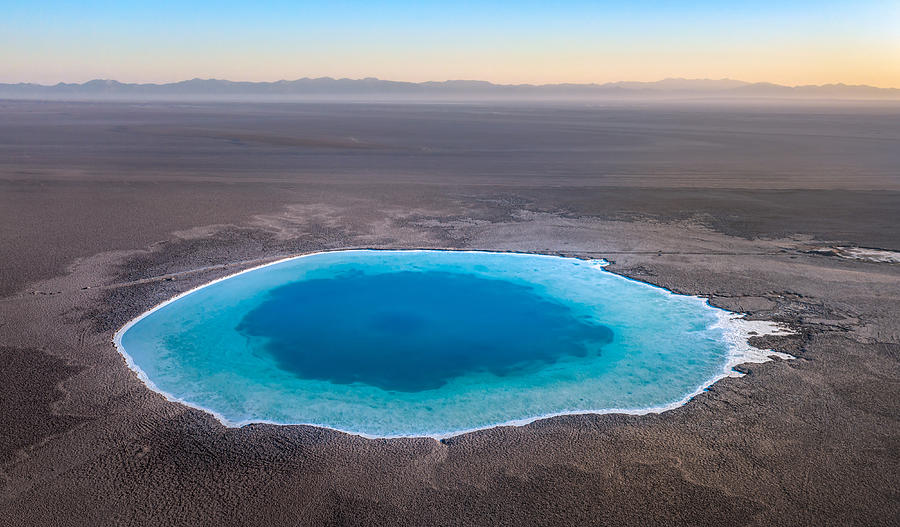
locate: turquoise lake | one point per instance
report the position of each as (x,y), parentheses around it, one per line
(426,343)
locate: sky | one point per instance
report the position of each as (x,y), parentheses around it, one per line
(524,41)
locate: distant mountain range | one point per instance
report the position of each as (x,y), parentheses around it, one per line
(371,88)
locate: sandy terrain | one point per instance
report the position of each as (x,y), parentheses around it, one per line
(106,210)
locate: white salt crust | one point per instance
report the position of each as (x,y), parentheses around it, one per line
(737,331)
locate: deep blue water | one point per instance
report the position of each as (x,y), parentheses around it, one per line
(389,343)
(417,330)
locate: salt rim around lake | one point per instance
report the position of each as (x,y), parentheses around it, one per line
(735,332)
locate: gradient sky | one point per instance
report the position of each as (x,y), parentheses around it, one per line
(801,42)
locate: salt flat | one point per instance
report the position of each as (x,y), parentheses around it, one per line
(108,209)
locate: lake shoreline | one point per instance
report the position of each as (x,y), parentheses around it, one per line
(737,332)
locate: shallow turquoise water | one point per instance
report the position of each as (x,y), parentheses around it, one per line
(398,343)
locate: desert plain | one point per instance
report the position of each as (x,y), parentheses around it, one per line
(108,208)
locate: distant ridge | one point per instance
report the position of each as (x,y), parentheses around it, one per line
(327,87)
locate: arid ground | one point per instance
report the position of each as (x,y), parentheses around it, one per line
(106,209)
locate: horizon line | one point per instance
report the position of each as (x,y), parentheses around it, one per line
(452,80)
